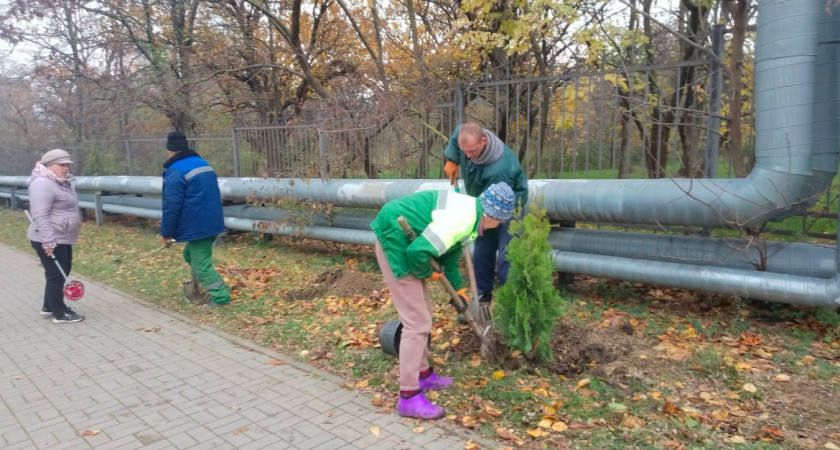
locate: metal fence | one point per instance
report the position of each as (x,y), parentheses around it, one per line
(568,126)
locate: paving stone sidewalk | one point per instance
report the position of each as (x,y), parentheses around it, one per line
(145,378)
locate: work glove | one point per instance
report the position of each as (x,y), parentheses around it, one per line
(464,303)
(451,170)
(435,276)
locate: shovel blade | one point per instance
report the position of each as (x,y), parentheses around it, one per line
(193,292)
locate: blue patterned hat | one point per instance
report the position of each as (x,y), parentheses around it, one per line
(498,201)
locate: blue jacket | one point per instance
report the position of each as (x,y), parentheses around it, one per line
(192,203)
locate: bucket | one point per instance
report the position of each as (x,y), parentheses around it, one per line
(389,338)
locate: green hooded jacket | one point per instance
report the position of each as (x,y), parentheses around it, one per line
(443,221)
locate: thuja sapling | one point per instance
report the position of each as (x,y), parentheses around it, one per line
(528,306)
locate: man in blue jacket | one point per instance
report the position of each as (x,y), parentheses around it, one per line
(192,213)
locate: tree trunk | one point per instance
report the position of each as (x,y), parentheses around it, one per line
(624,147)
(738,10)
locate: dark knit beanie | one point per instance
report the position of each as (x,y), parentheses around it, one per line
(176,142)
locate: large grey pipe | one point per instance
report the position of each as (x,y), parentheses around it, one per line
(774,287)
(793,258)
(359,237)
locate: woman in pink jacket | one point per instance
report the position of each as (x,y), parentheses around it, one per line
(54,207)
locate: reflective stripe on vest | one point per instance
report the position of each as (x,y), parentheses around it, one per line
(452,221)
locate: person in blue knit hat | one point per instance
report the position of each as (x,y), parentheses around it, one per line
(444,222)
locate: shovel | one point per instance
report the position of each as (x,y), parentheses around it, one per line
(73,290)
(487,339)
(166,245)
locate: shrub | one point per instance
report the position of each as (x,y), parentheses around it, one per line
(527,306)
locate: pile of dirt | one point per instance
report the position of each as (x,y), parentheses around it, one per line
(339,283)
(346,283)
(578,348)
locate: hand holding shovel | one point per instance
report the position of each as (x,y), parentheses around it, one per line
(166,244)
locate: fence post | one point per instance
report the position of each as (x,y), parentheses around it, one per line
(459,104)
(128,157)
(713,121)
(236,168)
(13,201)
(322,154)
(97,208)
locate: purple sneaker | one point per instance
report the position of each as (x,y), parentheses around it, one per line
(433,381)
(418,407)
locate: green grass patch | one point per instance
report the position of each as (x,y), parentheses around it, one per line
(340,334)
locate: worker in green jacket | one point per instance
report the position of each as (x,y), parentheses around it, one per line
(444,222)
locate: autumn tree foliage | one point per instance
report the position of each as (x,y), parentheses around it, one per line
(110,68)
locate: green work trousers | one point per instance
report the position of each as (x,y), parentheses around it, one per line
(199,255)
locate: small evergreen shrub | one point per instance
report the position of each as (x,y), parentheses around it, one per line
(528,306)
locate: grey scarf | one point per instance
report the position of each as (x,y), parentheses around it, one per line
(492,151)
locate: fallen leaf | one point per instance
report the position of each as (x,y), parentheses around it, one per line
(374,430)
(559,426)
(362,384)
(18,377)
(476,360)
(418,430)
(89,432)
(781,377)
(831,446)
(468,421)
(749,387)
(275,362)
(534,433)
(491,411)
(669,408)
(583,383)
(750,340)
(774,432)
(743,366)
(671,444)
(632,422)
(617,407)
(545,423)
(504,433)
(470,445)
(516,353)
(498,375)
